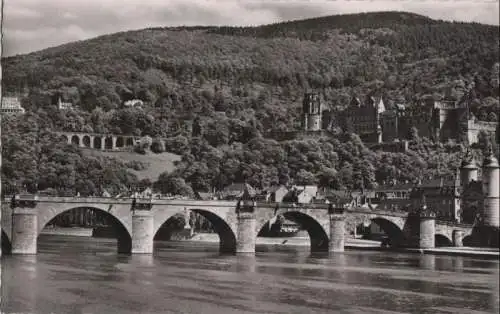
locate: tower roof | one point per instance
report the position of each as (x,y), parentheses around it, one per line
(468,161)
(490,161)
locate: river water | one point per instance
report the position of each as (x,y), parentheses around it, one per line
(85,275)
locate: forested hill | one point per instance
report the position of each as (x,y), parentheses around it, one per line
(244,81)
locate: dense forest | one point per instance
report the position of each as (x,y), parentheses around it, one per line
(237,84)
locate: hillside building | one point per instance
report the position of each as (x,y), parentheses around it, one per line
(465,197)
(311,112)
(388,128)
(134,103)
(11,105)
(364,117)
(62,105)
(437,120)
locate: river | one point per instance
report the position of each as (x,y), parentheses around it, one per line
(85,275)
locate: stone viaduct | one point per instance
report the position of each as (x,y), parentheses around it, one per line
(237,223)
(100,141)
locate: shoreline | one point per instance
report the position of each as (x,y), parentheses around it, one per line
(351,244)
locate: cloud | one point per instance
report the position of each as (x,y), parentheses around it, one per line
(31,25)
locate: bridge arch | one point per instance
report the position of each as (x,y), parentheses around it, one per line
(86,141)
(392,229)
(468,240)
(129,142)
(227,236)
(442,240)
(6,244)
(75,140)
(108,142)
(318,236)
(65,138)
(97,142)
(120,142)
(121,225)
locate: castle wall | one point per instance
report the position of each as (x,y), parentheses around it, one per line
(313,122)
(475,127)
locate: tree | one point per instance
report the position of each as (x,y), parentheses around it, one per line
(157,146)
(305,177)
(492,117)
(170,184)
(414,134)
(328,177)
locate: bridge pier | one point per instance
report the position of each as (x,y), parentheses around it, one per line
(458,236)
(24,231)
(427,239)
(337,230)
(246,233)
(245,242)
(142,232)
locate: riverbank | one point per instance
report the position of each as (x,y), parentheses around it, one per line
(74,231)
(489,253)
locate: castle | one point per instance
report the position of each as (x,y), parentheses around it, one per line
(438,120)
(311,112)
(364,118)
(374,123)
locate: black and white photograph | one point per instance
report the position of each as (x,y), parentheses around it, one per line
(250,156)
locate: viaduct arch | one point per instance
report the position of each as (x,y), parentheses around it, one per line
(101,141)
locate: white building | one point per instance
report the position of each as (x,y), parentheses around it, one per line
(133,103)
(11,105)
(64,105)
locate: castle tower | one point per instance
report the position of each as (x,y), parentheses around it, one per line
(468,170)
(311,110)
(491,191)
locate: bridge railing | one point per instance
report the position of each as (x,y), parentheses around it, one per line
(454,223)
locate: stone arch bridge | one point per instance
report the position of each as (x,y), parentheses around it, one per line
(138,220)
(100,141)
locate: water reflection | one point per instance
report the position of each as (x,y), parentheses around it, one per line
(494,300)
(25,270)
(458,264)
(88,276)
(246,263)
(428,261)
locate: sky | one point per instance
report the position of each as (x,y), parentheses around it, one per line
(31,25)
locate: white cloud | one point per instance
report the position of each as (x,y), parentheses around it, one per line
(31,25)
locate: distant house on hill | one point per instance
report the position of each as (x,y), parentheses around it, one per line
(61,105)
(273,194)
(236,190)
(335,196)
(301,194)
(146,193)
(204,196)
(134,103)
(11,105)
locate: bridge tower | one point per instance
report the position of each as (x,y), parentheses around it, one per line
(468,170)
(488,229)
(311,110)
(491,191)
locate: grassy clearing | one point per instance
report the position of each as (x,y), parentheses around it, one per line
(155,163)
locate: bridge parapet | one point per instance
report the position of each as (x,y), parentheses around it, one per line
(141,204)
(24,201)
